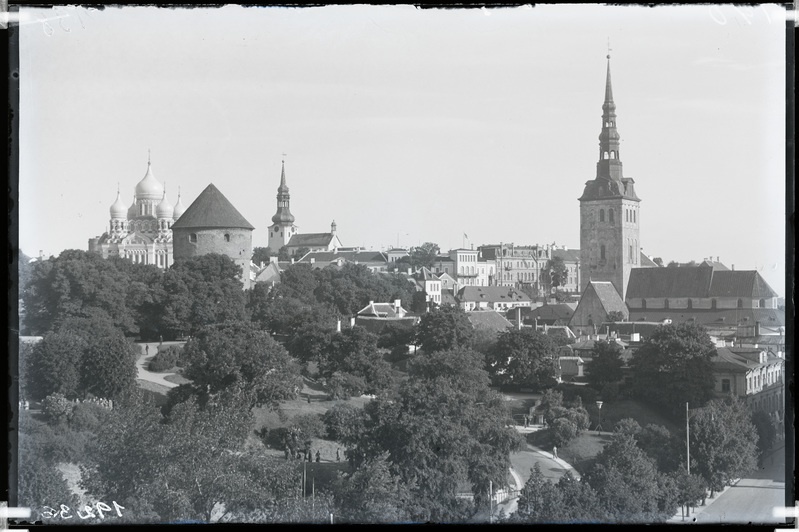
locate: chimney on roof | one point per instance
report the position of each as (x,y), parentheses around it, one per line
(409,271)
(519,318)
(757,328)
(733,267)
(371,302)
(313,260)
(292,260)
(262,266)
(352,322)
(338,325)
(397,304)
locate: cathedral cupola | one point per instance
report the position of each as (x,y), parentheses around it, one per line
(283,214)
(164,209)
(118,210)
(149,188)
(179,208)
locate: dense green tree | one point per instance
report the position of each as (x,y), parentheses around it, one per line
(372,494)
(605,366)
(298,281)
(556,272)
(766,431)
(200,291)
(445,426)
(261,254)
(350,288)
(311,342)
(673,366)
(661,445)
(419,302)
(446,327)
(354,351)
(540,501)
(236,356)
(54,365)
(523,357)
(616,316)
(723,442)
(580,503)
(345,423)
(75,284)
(628,483)
(421,256)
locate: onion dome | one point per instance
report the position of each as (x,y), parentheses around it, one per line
(118,209)
(149,187)
(179,208)
(164,209)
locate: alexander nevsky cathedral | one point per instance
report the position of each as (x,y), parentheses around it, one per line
(141,233)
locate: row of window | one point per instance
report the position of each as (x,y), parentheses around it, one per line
(755,304)
(629,216)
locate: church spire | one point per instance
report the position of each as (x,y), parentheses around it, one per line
(609,165)
(283,214)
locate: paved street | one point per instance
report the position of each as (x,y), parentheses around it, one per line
(752,499)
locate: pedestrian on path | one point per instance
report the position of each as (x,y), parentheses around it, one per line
(147,349)
(338,455)
(555,452)
(526,422)
(318,457)
(287,453)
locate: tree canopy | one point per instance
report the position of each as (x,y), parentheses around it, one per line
(523,357)
(234,357)
(673,366)
(445,327)
(605,366)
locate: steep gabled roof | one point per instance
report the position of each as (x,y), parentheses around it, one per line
(646,262)
(608,296)
(488,319)
(350,256)
(425,275)
(380,310)
(740,284)
(211,209)
(554,312)
(310,240)
(669,282)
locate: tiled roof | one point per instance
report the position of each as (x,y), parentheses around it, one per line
(557,311)
(211,209)
(646,262)
(727,360)
(608,296)
(570,366)
(488,319)
(491,294)
(350,256)
(270,273)
(740,284)
(668,282)
(696,281)
(379,310)
(447,298)
(425,275)
(309,239)
(568,255)
(768,317)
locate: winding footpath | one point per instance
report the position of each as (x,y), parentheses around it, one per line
(147,375)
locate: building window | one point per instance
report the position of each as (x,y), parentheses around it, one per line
(601,215)
(227,237)
(713,304)
(643,303)
(762,303)
(602,252)
(193,238)
(665,303)
(610,216)
(725,385)
(690,303)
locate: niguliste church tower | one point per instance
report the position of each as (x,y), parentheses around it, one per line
(609,211)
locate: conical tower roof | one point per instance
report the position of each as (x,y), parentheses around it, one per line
(211,209)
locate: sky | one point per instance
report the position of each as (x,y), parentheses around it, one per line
(461,127)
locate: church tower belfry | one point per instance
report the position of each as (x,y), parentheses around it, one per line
(282,228)
(609,211)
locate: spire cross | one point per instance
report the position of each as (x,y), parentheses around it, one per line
(609,48)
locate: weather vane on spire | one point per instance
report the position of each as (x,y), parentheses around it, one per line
(609,48)
(284,157)
(148,156)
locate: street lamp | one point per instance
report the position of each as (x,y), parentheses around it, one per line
(599,425)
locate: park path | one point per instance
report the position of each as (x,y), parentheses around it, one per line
(141,366)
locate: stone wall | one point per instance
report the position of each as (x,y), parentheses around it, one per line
(235,243)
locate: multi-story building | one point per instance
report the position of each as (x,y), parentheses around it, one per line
(517,266)
(141,233)
(466,267)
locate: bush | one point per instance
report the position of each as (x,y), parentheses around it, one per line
(87,416)
(57,408)
(307,426)
(344,385)
(277,438)
(563,431)
(166,359)
(343,422)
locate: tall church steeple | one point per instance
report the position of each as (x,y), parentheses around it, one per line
(282,228)
(609,165)
(609,210)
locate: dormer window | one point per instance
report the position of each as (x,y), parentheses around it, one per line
(193,238)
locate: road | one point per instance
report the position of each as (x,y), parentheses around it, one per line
(751,500)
